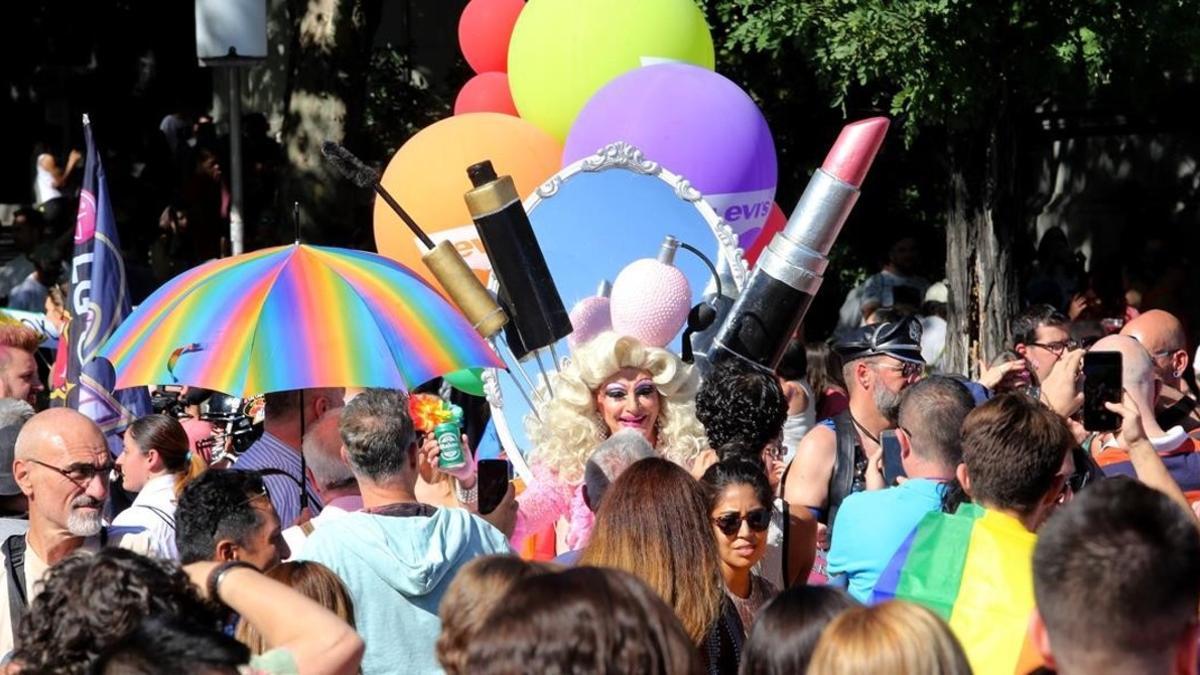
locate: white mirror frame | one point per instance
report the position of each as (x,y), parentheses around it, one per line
(619,156)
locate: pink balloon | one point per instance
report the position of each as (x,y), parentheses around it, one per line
(484,30)
(486,92)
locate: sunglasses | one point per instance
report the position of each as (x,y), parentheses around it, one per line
(731,523)
(907,369)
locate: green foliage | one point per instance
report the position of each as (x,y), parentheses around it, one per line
(400,102)
(954,63)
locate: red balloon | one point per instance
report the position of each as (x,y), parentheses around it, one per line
(484,30)
(773,226)
(486,92)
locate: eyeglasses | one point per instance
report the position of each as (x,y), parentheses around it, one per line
(731,523)
(1057,348)
(262,492)
(907,369)
(82,473)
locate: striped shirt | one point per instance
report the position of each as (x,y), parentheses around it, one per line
(268,452)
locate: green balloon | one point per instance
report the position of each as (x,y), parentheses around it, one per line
(467,380)
(563,51)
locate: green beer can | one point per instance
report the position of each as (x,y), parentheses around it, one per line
(451,455)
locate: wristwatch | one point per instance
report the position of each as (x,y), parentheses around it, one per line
(218,574)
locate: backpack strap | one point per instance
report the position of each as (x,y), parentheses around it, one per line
(14,560)
(841,481)
(162,515)
(307,527)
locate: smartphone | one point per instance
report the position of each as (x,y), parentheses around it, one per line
(492,477)
(892,466)
(1101,384)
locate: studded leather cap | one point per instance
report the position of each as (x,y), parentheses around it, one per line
(898,339)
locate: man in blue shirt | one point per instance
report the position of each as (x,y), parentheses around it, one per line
(871,525)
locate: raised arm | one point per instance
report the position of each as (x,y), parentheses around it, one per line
(319,641)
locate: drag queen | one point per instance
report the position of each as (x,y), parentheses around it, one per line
(612,382)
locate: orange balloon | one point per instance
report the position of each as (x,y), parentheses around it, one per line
(428,177)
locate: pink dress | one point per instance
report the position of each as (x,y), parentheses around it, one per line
(547,500)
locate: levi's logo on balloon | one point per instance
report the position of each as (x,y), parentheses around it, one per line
(743,211)
(747,211)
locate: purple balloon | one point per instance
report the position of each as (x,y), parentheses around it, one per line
(695,123)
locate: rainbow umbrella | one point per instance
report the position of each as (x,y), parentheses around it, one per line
(294,317)
(974,568)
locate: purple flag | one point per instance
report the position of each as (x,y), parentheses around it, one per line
(99,302)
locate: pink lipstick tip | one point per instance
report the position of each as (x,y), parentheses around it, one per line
(855,149)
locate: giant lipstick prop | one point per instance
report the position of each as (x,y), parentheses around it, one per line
(789,271)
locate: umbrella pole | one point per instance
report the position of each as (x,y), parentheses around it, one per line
(303,459)
(557,361)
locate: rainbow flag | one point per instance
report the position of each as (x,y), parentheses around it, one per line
(974,568)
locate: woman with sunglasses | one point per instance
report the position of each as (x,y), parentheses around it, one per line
(739,505)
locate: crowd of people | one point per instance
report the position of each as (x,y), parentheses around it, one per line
(856,512)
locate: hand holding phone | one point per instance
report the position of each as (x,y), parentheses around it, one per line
(893,467)
(493,478)
(1101,384)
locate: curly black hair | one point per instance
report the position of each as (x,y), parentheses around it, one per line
(164,645)
(90,602)
(215,506)
(738,403)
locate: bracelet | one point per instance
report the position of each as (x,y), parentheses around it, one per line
(218,574)
(465,496)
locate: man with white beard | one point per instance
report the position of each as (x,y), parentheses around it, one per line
(836,458)
(62,465)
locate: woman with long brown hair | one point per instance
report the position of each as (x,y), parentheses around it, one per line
(654,524)
(157,463)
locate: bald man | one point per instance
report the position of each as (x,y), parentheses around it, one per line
(322,447)
(1161,333)
(62,466)
(1177,449)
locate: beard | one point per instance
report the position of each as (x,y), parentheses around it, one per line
(85,523)
(887,402)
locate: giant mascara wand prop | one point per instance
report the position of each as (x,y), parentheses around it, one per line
(789,271)
(443,260)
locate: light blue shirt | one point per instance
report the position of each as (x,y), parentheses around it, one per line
(397,568)
(871,526)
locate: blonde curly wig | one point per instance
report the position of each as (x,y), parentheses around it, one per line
(569,428)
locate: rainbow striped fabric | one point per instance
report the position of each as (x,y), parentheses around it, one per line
(294,317)
(974,568)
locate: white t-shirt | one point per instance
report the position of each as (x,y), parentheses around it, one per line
(43,185)
(152,513)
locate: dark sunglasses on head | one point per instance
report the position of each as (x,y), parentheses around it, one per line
(256,494)
(730,523)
